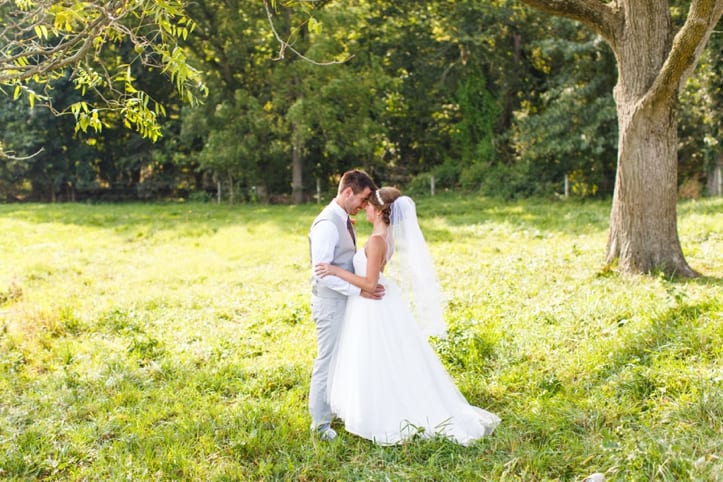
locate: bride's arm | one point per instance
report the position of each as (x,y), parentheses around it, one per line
(375,250)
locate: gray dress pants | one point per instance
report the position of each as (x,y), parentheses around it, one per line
(328,314)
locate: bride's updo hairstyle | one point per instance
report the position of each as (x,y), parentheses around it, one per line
(382,199)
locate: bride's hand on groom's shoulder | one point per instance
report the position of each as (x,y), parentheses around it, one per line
(377,294)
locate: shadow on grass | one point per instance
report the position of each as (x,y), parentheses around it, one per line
(136,217)
(571,216)
(457,210)
(624,402)
(687,331)
(702,280)
(546,215)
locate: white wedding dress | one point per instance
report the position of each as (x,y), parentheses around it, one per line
(387,384)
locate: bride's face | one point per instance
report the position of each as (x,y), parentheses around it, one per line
(372,212)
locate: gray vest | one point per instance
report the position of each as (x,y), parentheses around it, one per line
(343,251)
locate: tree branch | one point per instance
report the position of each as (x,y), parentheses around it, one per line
(6,155)
(285,45)
(42,39)
(67,52)
(602,18)
(687,46)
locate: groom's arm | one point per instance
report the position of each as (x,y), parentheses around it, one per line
(324,237)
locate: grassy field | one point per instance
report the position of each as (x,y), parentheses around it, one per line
(174,342)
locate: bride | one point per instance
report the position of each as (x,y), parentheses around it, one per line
(386,382)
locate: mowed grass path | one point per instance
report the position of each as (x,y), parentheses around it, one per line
(174,342)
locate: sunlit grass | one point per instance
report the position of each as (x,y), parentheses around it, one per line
(173,342)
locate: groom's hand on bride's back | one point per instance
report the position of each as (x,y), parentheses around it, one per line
(377,294)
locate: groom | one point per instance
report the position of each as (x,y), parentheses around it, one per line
(333,240)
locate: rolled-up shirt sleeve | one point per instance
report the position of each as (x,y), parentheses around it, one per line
(324,237)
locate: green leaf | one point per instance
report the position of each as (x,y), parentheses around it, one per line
(314,25)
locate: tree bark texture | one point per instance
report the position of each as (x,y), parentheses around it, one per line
(643,221)
(654,60)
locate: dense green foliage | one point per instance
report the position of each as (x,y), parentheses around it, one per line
(484,96)
(174,342)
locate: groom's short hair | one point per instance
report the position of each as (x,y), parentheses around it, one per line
(357,180)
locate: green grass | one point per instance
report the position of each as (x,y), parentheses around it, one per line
(174,342)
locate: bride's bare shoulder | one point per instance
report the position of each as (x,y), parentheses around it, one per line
(378,239)
(376,243)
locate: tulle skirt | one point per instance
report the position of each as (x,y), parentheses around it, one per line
(387,384)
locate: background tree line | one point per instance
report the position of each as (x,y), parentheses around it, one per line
(484,96)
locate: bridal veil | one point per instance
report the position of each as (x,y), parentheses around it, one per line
(412,268)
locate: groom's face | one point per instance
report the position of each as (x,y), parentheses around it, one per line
(355,202)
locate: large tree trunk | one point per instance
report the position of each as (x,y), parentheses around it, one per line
(643,221)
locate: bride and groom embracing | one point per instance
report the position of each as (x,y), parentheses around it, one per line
(374,309)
